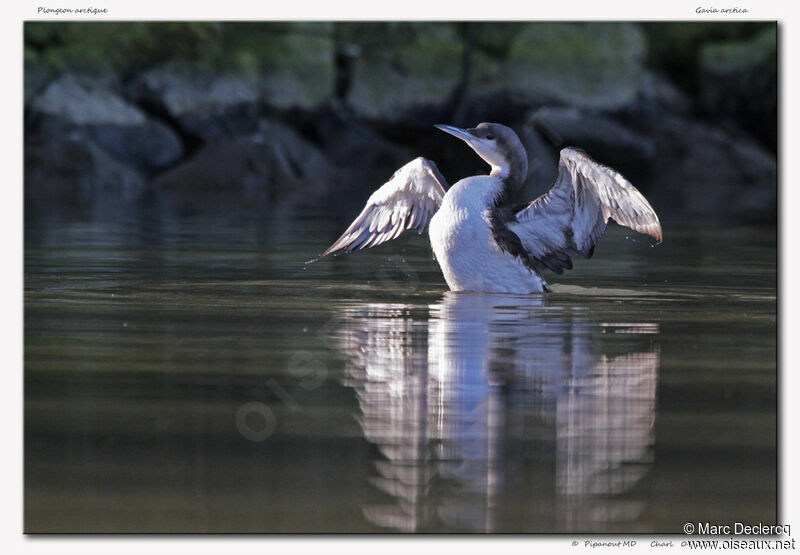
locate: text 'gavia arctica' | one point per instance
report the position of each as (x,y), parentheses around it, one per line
(481,241)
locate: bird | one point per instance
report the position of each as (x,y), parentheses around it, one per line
(482,241)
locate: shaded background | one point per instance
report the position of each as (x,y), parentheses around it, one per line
(252,114)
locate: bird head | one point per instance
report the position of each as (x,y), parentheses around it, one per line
(497,144)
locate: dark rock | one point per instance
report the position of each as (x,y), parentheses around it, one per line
(36,77)
(266,166)
(297,72)
(700,172)
(595,65)
(542,162)
(72,171)
(498,106)
(656,96)
(674,47)
(201,104)
(420,75)
(358,150)
(80,106)
(364,158)
(495,39)
(606,140)
(739,83)
(408,67)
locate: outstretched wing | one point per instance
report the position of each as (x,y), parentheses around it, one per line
(570,218)
(407,201)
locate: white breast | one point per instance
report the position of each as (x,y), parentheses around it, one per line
(464,247)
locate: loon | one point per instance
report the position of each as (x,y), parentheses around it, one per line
(483,242)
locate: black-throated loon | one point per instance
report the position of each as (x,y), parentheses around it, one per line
(481,241)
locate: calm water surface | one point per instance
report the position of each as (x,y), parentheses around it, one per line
(192,375)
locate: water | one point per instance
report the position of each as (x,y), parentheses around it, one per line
(192,375)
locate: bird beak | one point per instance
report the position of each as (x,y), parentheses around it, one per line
(462,134)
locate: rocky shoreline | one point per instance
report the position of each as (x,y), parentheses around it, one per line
(331,110)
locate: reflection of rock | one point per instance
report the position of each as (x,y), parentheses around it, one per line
(268,165)
(73,171)
(738,81)
(203,104)
(86,108)
(498,383)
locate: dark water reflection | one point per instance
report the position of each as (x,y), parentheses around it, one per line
(182,376)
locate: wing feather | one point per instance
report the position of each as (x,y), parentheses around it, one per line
(571,217)
(407,201)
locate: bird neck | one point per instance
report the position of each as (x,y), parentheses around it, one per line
(512,172)
(502,171)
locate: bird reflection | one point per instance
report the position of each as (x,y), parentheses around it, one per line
(501,413)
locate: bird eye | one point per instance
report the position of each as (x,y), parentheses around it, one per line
(490,137)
